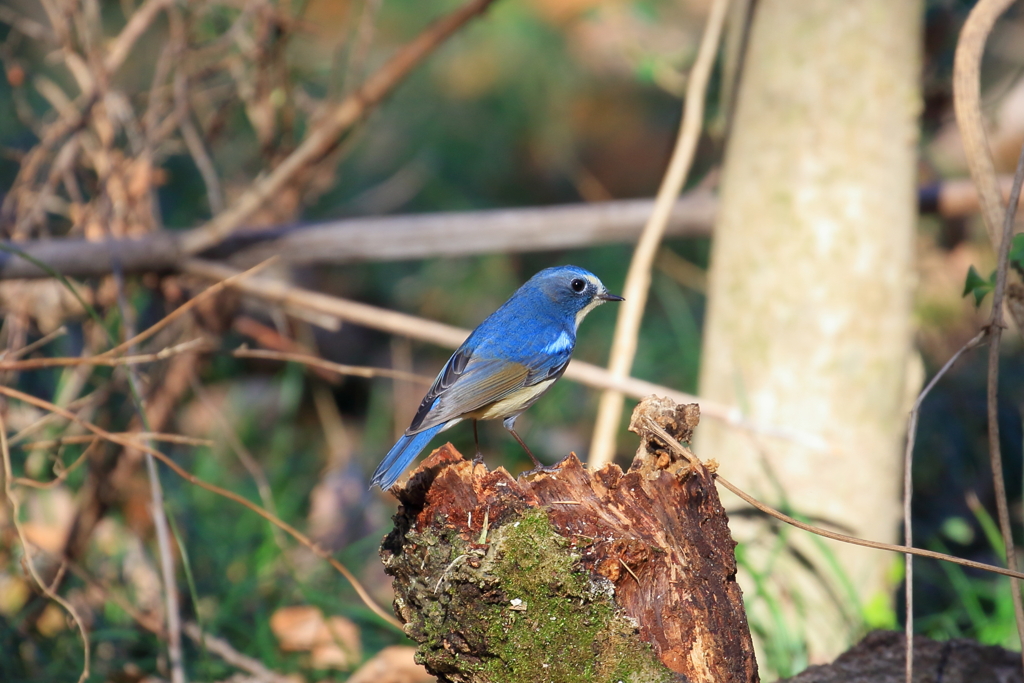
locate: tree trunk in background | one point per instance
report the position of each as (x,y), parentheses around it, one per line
(808,324)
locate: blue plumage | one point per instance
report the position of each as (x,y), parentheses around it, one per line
(505,365)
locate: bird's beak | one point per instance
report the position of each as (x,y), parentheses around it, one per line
(605,296)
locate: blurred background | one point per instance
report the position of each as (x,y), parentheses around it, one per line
(535,103)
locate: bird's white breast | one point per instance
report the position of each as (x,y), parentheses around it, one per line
(512,404)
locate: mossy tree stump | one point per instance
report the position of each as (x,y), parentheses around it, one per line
(570,575)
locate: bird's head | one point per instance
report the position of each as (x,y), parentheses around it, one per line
(573,290)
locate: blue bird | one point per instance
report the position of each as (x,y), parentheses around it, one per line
(505,365)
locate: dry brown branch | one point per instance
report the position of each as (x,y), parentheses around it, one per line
(92,441)
(360,49)
(141,19)
(23,24)
(62,475)
(349,370)
(638,278)
(967,105)
(908,490)
(853,540)
(325,136)
(381,238)
(83,403)
(995,332)
(39,343)
(199,345)
(433,235)
(157,512)
(189,132)
(230,495)
(147,436)
(270,339)
(13,501)
(186,307)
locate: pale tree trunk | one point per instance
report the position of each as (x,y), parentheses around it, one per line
(808,324)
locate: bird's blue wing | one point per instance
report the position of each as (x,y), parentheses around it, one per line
(469,382)
(450,373)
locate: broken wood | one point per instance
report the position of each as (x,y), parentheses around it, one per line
(571,575)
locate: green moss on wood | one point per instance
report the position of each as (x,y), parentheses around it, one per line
(519,608)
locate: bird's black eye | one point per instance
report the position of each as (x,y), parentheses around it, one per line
(578,285)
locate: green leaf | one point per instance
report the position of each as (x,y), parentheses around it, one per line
(1017,251)
(978,286)
(958,530)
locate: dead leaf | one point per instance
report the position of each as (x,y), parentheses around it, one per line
(51,513)
(334,643)
(14,593)
(52,621)
(393,664)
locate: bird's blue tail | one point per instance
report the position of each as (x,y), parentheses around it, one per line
(400,455)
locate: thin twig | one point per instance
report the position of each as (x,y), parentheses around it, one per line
(148,436)
(83,403)
(157,512)
(139,22)
(189,132)
(852,540)
(187,306)
(192,479)
(241,452)
(323,138)
(967,105)
(638,278)
(29,348)
(15,504)
(315,361)
(908,491)
(63,474)
(995,330)
(361,43)
(92,441)
(198,345)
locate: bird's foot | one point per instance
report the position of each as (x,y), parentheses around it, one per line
(538,469)
(478,459)
(538,466)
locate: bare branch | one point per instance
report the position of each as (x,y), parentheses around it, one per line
(638,278)
(177,469)
(139,22)
(350,370)
(967,105)
(908,491)
(322,139)
(853,540)
(13,500)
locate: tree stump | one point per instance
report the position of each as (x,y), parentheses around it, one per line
(570,575)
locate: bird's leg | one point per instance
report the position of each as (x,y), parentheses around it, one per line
(479,457)
(537,465)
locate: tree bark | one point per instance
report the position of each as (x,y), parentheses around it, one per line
(808,323)
(570,575)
